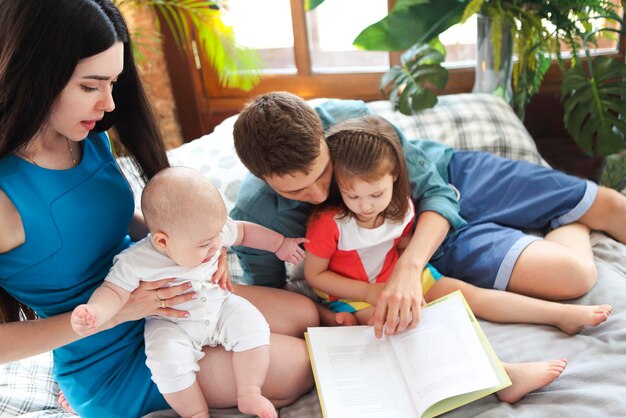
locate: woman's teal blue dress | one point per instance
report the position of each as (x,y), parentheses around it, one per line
(75,221)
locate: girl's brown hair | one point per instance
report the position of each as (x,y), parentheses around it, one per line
(368,148)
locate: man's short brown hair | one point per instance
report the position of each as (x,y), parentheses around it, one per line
(276,134)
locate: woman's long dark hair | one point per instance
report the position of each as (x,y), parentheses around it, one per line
(41,42)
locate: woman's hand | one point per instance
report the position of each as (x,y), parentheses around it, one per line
(222,275)
(154,298)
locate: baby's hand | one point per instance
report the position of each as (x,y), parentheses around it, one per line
(222,275)
(290,250)
(84,319)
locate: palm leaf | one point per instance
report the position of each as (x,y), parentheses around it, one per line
(595,105)
(236,67)
(406,85)
(312,4)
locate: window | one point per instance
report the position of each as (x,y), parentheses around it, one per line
(311,54)
(331,34)
(328,31)
(274,41)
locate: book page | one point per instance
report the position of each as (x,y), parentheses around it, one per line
(443,356)
(361,378)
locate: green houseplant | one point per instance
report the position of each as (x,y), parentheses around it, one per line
(592,89)
(202,20)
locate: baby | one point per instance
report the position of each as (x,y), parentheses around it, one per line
(188,226)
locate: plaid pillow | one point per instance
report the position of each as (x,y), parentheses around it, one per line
(478,122)
(27,387)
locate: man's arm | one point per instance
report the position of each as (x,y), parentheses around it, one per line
(398,306)
(427,164)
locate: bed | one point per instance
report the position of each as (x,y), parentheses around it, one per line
(594,383)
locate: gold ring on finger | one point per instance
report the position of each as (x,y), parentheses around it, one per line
(163,303)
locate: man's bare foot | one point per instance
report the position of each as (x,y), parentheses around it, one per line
(64,403)
(256,404)
(528,377)
(346,319)
(577,317)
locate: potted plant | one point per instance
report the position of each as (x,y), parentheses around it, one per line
(592,89)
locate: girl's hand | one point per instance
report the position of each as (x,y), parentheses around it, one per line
(222,275)
(154,298)
(373,292)
(290,250)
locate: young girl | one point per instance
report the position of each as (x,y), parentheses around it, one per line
(355,239)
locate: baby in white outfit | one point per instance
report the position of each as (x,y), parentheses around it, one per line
(188,226)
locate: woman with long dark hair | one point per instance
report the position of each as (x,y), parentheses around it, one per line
(67,75)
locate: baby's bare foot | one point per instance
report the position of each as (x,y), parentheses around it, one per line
(346,319)
(256,404)
(528,377)
(577,317)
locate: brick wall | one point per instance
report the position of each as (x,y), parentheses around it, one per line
(154,73)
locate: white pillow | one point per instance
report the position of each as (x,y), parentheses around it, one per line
(213,155)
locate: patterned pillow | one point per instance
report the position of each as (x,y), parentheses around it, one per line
(479,122)
(213,155)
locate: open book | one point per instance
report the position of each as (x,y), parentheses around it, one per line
(445,362)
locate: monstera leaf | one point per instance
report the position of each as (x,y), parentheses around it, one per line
(614,172)
(406,85)
(595,105)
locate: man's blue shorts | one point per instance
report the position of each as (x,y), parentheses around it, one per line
(499,198)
